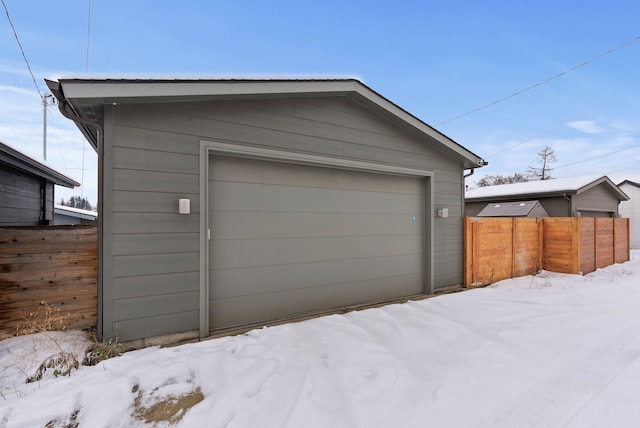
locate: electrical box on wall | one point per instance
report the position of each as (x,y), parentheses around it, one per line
(443,212)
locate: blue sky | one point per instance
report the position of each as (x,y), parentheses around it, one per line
(435,59)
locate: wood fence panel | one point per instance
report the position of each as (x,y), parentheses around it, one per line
(622,246)
(564,244)
(499,248)
(587,244)
(54,265)
(558,247)
(527,246)
(492,249)
(604,242)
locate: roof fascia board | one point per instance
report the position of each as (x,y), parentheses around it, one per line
(116,89)
(519,196)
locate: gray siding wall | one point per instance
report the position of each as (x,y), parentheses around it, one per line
(471,209)
(557,206)
(598,199)
(151,160)
(631,210)
(20,198)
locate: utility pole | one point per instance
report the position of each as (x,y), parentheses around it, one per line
(47,100)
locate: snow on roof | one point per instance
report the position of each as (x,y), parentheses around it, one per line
(75,212)
(556,185)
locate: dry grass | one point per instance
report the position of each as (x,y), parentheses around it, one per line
(45,318)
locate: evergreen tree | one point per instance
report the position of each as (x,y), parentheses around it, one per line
(78,202)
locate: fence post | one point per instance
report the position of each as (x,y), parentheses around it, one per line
(615,242)
(628,231)
(468,251)
(540,242)
(576,243)
(513,246)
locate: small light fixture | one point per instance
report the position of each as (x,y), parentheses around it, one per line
(443,212)
(184,206)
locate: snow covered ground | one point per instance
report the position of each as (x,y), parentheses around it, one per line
(553,350)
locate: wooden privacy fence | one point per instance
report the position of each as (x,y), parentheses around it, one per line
(52,267)
(501,248)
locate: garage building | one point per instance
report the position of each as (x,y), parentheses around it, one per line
(229,203)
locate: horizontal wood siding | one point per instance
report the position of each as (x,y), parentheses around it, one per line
(598,200)
(20,199)
(154,149)
(56,266)
(448,232)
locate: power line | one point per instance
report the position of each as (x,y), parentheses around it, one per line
(528,88)
(6,10)
(597,157)
(526,140)
(538,134)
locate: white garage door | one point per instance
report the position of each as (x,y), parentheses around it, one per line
(289,239)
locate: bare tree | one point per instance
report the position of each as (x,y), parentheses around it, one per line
(545,157)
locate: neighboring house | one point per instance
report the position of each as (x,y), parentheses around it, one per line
(631,210)
(588,196)
(64,215)
(27,189)
(299,196)
(514,209)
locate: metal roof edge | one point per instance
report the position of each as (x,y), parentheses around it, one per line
(21,161)
(630,182)
(604,179)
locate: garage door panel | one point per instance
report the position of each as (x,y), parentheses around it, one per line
(268,279)
(288,239)
(266,252)
(242,310)
(242,170)
(261,225)
(271,197)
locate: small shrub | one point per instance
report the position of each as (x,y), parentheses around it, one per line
(70,422)
(60,364)
(101,351)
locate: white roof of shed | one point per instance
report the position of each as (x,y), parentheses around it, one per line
(569,185)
